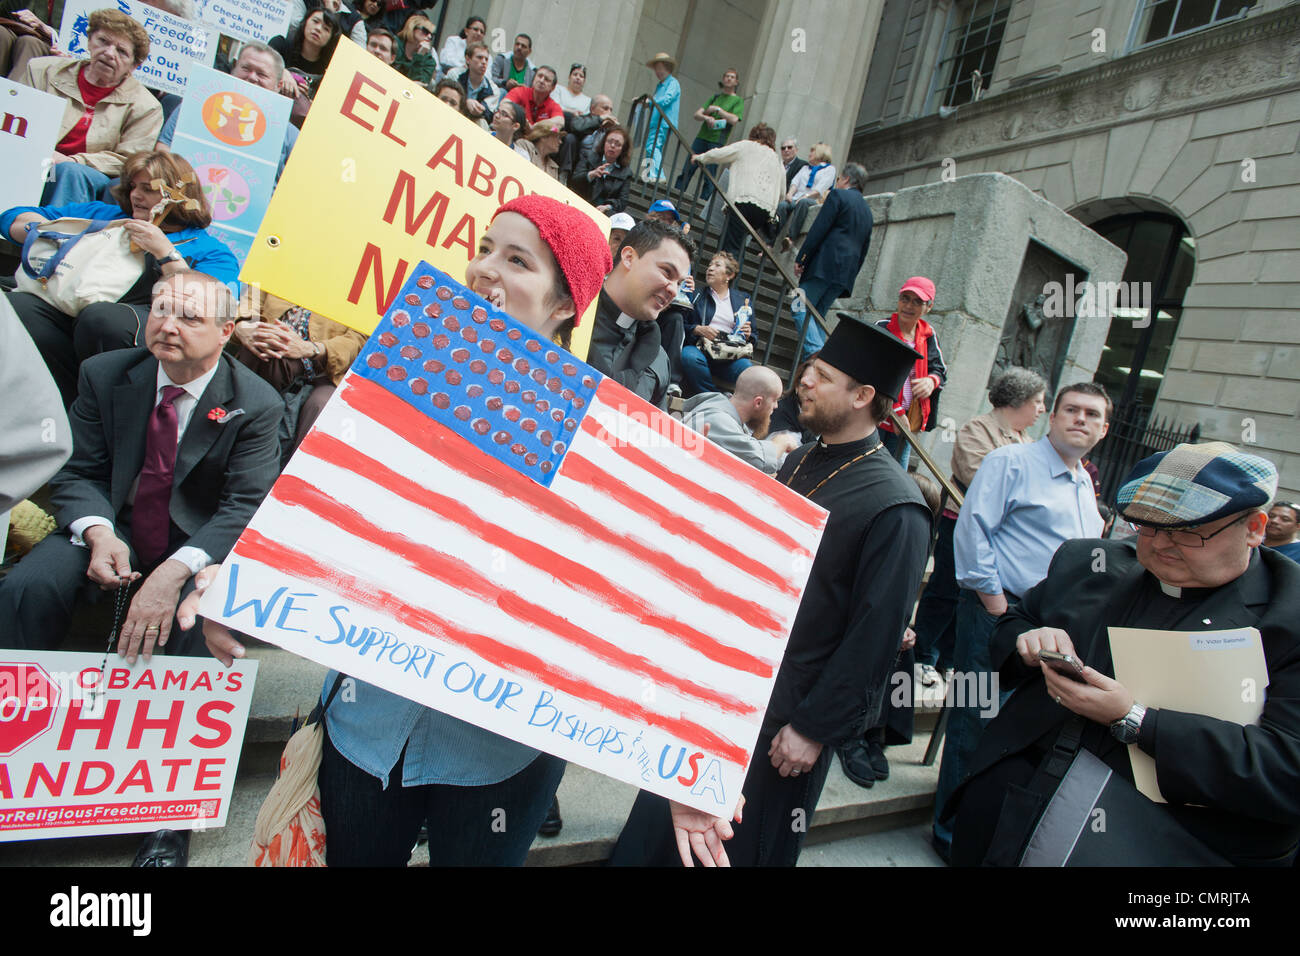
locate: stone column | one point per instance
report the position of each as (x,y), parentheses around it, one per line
(810,69)
(596,33)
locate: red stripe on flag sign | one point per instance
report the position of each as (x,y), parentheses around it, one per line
(456,453)
(619,399)
(294,492)
(579,469)
(582,579)
(706,496)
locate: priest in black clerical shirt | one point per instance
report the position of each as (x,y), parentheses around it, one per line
(1194,565)
(842,646)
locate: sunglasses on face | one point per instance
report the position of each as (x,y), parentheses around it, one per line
(424,30)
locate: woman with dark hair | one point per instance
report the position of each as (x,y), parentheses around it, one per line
(178,243)
(307,52)
(509,125)
(756,186)
(570,97)
(414,57)
(604,177)
(452,54)
(389,764)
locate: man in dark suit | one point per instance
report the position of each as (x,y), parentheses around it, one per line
(174,447)
(1195,565)
(834,249)
(790,159)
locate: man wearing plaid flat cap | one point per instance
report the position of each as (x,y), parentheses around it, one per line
(1194,565)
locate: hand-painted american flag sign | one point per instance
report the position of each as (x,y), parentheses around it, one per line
(483,523)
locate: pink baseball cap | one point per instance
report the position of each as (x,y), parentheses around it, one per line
(922,286)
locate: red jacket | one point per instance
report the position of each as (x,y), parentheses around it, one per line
(930,363)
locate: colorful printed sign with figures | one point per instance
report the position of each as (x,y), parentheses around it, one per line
(232,133)
(483,523)
(174,44)
(91,747)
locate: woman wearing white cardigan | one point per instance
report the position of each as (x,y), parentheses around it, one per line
(757,183)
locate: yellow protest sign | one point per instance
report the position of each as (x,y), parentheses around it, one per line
(385,175)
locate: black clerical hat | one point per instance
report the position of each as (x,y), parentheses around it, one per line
(870,355)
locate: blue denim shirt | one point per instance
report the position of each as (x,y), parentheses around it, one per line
(370,727)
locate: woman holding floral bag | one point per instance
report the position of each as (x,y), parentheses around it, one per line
(169,236)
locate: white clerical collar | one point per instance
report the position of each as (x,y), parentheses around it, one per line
(625,321)
(1169,589)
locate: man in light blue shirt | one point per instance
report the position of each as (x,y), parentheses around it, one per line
(1024,502)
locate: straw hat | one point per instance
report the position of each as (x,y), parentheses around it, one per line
(663,58)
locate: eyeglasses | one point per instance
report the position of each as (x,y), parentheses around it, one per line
(425,30)
(1185,539)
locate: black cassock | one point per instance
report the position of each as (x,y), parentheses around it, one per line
(842,648)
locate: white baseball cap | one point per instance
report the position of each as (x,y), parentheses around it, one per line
(621,220)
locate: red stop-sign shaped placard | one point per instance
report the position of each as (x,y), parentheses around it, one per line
(29,700)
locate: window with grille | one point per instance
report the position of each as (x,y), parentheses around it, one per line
(1162,19)
(971,45)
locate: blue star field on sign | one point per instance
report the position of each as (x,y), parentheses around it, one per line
(475,370)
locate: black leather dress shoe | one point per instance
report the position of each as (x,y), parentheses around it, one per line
(164,848)
(553,824)
(876,757)
(856,763)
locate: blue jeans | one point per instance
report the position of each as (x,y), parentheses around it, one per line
(656,136)
(493,825)
(965,723)
(820,295)
(936,614)
(698,370)
(73,183)
(688,171)
(897,446)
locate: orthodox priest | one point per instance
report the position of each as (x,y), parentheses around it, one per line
(859,597)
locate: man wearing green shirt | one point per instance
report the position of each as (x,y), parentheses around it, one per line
(723,111)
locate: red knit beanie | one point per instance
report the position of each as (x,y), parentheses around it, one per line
(580,250)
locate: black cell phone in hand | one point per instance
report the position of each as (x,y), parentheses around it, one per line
(1067,665)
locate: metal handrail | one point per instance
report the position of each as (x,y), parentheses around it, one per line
(767,250)
(900,425)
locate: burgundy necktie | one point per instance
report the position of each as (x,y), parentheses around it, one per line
(151,516)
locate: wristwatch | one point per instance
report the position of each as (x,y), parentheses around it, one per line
(172,256)
(1126,729)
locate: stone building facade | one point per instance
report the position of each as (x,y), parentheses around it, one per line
(1129,114)
(1199,131)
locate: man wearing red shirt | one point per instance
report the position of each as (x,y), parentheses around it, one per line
(536,99)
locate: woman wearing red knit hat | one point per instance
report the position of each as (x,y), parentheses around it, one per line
(388,764)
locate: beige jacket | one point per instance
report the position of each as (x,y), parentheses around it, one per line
(126,121)
(757,175)
(975,439)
